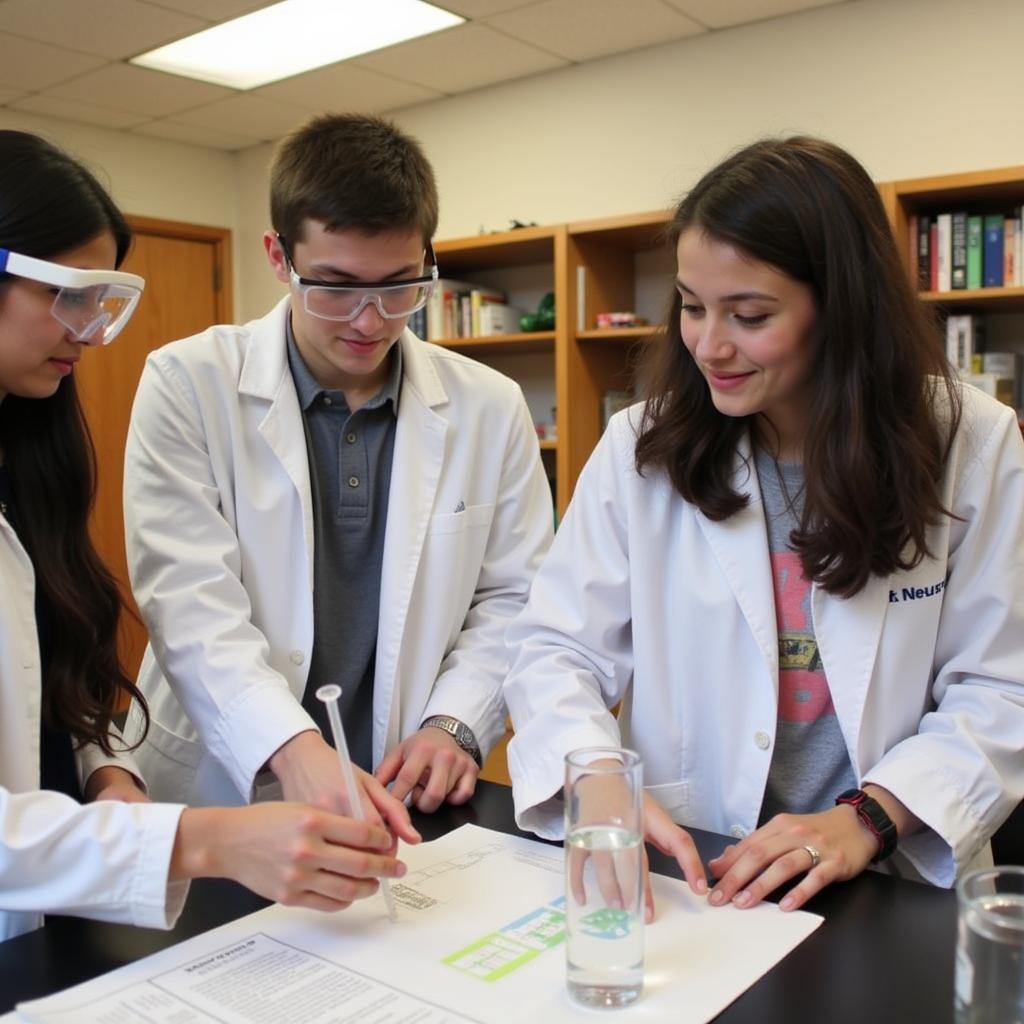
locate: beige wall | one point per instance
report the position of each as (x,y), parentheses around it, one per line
(912,87)
(150,177)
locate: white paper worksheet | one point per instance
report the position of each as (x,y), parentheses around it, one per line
(479,940)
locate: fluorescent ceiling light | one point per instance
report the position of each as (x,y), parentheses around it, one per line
(294,36)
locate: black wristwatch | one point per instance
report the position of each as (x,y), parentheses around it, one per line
(874,819)
(459,731)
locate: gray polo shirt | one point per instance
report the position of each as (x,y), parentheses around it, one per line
(350,456)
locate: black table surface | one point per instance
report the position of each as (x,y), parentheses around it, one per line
(884,953)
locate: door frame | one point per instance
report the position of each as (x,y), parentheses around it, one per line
(218,238)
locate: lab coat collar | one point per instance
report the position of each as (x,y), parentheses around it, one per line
(740,544)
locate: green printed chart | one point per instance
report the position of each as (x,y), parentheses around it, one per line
(502,952)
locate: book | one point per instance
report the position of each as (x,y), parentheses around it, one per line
(498,318)
(444,308)
(974,239)
(992,257)
(933,256)
(958,251)
(924,265)
(611,402)
(478,299)
(944,241)
(1009,252)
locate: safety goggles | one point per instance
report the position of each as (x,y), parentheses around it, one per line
(344,302)
(94,305)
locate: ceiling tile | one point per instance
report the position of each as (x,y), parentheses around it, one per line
(31,65)
(126,87)
(195,135)
(70,110)
(480,8)
(110,28)
(599,28)
(725,13)
(345,86)
(215,11)
(250,115)
(462,58)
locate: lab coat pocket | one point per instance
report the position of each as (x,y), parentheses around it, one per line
(453,554)
(456,522)
(673,798)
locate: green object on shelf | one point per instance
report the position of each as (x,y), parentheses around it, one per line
(543,319)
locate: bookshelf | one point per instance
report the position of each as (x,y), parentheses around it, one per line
(997,191)
(526,264)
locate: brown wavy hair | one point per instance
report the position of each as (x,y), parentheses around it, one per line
(49,203)
(884,406)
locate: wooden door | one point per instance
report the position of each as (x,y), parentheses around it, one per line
(188,287)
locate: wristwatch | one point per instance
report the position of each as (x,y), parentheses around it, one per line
(459,731)
(873,817)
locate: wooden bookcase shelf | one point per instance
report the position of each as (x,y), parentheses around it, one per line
(492,344)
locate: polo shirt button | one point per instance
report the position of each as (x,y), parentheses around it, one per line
(738,832)
(353,481)
(762,739)
(297,657)
(327,400)
(351,438)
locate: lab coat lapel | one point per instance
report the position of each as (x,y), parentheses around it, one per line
(265,375)
(848,632)
(419,456)
(740,544)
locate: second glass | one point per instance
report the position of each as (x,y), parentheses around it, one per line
(990,947)
(604,875)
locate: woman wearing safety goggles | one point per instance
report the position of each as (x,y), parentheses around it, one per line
(116,856)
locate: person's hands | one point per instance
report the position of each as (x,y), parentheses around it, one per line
(431,766)
(615,873)
(291,853)
(778,852)
(112,783)
(308,770)
(662,832)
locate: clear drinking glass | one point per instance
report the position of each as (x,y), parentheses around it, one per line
(990,947)
(604,875)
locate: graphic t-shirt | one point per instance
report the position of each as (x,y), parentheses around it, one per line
(810,764)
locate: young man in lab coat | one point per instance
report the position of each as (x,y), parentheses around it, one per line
(320,497)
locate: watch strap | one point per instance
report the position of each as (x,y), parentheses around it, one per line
(874,818)
(459,731)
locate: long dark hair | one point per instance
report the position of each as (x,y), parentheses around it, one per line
(885,406)
(49,204)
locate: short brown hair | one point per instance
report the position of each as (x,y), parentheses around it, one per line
(351,171)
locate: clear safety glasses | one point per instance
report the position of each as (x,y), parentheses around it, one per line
(344,302)
(94,305)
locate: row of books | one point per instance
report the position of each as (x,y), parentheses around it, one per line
(997,373)
(961,250)
(460,309)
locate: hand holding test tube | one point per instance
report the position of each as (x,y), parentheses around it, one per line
(329,694)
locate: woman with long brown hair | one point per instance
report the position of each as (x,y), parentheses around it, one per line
(797,564)
(118,856)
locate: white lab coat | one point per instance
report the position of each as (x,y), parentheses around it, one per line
(105,860)
(219,523)
(645,600)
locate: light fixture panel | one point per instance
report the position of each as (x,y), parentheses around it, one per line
(293,36)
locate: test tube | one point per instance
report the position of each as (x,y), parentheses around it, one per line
(329,694)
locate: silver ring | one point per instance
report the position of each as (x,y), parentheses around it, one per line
(815,857)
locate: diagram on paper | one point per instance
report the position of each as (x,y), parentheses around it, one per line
(435,883)
(506,950)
